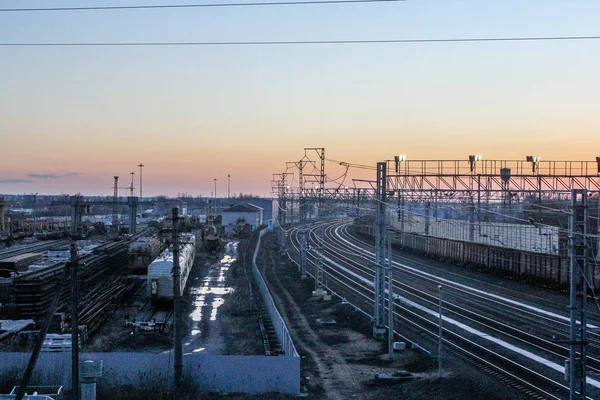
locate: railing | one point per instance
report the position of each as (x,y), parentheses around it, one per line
(281,329)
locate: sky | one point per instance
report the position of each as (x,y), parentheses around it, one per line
(71,118)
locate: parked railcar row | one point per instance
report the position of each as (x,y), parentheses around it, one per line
(540,269)
(160,271)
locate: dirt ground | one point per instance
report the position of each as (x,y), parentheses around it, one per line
(239,330)
(341,361)
(337,362)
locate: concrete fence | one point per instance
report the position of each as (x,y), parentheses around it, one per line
(278,323)
(211,373)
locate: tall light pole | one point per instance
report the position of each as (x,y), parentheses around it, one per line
(216,207)
(131,188)
(141,166)
(228,185)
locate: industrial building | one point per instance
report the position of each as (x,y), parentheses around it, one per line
(242,216)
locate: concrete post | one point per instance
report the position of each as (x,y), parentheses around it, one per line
(90,371)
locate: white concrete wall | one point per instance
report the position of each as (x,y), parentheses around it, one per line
(213,373)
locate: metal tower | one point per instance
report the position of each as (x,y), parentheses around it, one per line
(319,273)
(578,252)
(380,244)
(321,177)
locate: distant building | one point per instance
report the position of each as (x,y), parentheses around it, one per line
(242,217)
(264,203)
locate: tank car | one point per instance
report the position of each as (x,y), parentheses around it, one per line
(160,271)
(212,241)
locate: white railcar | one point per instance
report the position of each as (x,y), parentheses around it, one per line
(160,271)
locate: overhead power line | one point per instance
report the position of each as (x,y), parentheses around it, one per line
(206,5)
(312,42)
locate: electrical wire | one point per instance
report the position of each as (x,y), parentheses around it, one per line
(206,5)
(300,42)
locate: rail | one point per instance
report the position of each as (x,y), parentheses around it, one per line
(281,329)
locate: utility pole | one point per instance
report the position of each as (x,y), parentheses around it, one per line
(319,273)
(74,323)
(141,166)
(282,210)
(301,220)
(471,218)
(390,299)
(177,299)
(598,222)
(42,334)
(321,177)
(228,185)
(380,233)
(427,219)
(578,252)
(440,331)
(303,250)
(216,205)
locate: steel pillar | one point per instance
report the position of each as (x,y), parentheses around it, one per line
(578,252)
(78,207)
(427,217)
(319,273)
(380,234)
(471,219)
(132,202)
(390,298)
(303,250)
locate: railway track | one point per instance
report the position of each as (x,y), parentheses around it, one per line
(33,291)
(33,248)
(498,330)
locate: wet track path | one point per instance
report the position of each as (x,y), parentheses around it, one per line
(205,294)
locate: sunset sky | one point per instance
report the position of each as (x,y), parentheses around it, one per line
(72,117)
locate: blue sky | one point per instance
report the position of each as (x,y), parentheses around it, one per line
(195,113)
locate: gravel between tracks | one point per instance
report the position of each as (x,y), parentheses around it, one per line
(341,362)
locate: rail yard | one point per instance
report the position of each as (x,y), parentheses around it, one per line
(390,287)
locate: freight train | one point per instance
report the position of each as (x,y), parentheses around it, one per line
(536,268)
(142,252)
(160,271)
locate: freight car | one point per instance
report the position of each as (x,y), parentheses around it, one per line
(142,252)
(536,268)
(160,271)
(212,241)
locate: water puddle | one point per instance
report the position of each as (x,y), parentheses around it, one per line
(206,296)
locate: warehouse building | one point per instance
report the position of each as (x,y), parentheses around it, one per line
(242,218)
